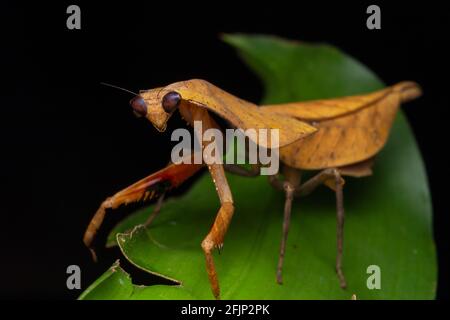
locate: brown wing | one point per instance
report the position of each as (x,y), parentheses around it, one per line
(319,110)
(240,113)
(352,134)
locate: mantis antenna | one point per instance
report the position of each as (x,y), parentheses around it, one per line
(117,87)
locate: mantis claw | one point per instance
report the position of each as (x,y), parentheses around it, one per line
(93,254)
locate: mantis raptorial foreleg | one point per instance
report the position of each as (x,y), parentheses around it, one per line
(128,195)
(145,189)
(214,238)
(216,235)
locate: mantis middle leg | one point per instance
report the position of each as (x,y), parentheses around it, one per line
(289,186)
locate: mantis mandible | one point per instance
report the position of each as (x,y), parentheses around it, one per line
(338,137)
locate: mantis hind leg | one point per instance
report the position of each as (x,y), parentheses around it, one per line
(339,228)
(331,178)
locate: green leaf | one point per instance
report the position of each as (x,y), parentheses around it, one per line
(388,215)
(115,284)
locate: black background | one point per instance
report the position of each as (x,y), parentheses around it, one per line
(67,142)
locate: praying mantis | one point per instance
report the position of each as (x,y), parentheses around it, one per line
(336,137)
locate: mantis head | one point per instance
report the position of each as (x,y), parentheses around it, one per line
(157,105)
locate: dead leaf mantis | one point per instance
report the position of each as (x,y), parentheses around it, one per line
(338,137)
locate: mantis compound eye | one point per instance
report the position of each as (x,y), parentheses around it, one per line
(171,101)
(139,106)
